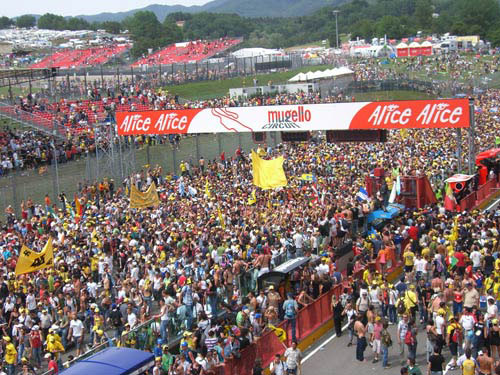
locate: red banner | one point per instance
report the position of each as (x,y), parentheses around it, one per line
(417,114)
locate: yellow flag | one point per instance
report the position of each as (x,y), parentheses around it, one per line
(31,261)
(279,332)
(207,190)
(221,220)
(269,205)
(143,200)
(404,133)
(454,231)
(268,174)
(252,199)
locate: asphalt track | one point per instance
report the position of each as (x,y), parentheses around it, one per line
(332,356)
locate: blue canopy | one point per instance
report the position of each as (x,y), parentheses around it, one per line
(392,211)
(113,361)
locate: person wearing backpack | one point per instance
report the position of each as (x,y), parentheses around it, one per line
(362,304)
(386,344)
(453,339)
(291,308)
(400,306)
(402,329)
(411,340)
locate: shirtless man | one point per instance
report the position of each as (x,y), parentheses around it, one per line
(360,330)
(485,362)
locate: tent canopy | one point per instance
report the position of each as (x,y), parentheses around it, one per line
(488,154)
(298,78)
(328,73)
(459,178)
(112,361)
(253,52)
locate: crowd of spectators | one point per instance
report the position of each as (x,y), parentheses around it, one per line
(184,264)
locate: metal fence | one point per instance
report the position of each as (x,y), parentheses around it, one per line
(118,160)
(73,83)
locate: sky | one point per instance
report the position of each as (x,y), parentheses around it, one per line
(87,7)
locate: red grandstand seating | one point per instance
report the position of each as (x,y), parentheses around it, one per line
(187,52)
(94,56)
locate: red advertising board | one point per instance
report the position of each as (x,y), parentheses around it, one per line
(414,114)
(402,52)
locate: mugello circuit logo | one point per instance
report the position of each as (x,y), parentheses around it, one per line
(287,119)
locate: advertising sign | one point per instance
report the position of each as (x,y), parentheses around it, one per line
(411,114)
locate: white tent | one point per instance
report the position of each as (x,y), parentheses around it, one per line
(342,71)
(328,73)
(309,75)
(317,75)
(298,78)
(254,52)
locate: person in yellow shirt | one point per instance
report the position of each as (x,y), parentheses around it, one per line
(411,301)
(10,355)
(182,168)
(469,365)
(409,259)
(488,283)
(55,347)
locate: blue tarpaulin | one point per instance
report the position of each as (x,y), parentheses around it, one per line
(393,210)
(113,361)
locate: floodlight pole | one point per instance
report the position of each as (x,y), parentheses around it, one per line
(472,153)
(336,12)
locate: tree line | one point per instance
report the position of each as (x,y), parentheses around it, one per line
(359,18)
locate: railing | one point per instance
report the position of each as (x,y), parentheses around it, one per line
(485,189)
(38,122)
(468,202)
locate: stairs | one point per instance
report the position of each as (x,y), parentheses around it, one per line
(31,120)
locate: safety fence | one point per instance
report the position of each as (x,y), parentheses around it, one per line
(115,160)
(479,196)
(309,319)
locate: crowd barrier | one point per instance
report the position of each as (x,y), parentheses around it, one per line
(309,319)
(482,194)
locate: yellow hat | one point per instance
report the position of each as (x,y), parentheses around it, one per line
(6,338)
(495,321)
(451,318)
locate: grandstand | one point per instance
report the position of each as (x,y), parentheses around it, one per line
(187,52)
(77,58)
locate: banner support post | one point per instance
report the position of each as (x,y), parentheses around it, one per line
(459,150)
(472,153)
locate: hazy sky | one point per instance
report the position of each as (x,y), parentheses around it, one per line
(78,7)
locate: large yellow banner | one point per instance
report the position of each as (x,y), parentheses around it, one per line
(143,200)
(268,174)
(31,261)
